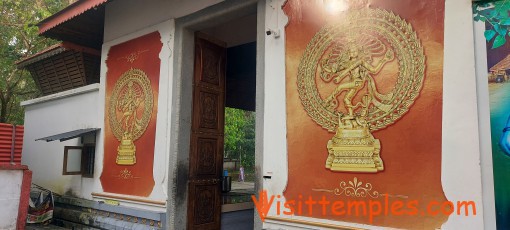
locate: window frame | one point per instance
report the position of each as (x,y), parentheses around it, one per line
(66,153)
(86,162)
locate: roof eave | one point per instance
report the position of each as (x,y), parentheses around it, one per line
(54,50)
(68,13)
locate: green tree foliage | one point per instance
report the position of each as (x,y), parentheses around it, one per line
(19,39)
(240,136)
(496,14)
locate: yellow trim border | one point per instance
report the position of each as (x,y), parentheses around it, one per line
(312,223)
(123,198)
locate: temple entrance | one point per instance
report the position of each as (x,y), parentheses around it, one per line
(222,155)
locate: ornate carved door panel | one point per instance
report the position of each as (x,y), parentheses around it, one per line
(206,150)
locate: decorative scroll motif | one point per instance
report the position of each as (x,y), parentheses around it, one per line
(126,174)
(130,112)
(356,188)
(350,56)
(133,56)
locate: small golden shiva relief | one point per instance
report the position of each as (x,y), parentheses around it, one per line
(129,113)
(358,75)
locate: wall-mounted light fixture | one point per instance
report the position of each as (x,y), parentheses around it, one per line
(275,33)
(335,6)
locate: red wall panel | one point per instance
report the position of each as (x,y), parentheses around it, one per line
(6,140)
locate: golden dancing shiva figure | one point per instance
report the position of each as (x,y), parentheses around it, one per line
(349,54)
(353,143)
(358,68)
(129,112)
(128,106)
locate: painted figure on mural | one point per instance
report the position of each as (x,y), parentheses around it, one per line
(355,62)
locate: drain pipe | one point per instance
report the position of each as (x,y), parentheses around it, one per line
(13,143)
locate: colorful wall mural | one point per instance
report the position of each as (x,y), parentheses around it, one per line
(497,23)
(132,82)
(364,106)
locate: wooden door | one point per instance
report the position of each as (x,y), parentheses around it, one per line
(206,150)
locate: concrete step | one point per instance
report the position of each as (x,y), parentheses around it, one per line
(42,226)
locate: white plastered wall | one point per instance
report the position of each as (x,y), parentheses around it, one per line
(10,192)
(54,114)
(275,129)
(461,171)
(127,16)
(482,90)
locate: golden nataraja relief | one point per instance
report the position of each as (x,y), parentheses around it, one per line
(129,112)
(339,80)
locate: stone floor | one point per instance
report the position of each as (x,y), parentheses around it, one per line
(241,192)
(248,186)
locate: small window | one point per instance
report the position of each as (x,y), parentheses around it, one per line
(72,160)
(79,160)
